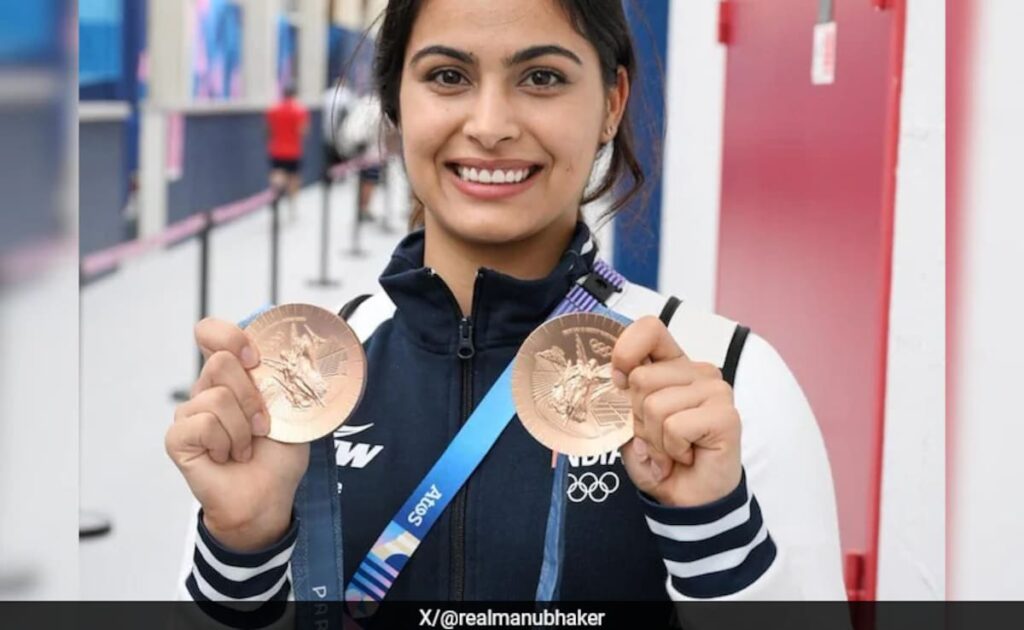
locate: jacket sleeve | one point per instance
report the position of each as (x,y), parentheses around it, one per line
(776,537)
(237,590)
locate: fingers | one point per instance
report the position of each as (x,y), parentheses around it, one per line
(645,338)
(201,421)
(652,410)
(214,335)
(679,371)
(222,369)
(196,435)
(707,427)
(655,463)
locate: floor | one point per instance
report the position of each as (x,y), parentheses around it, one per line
(137,347)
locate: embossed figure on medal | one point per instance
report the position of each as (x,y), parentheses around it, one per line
(581,384)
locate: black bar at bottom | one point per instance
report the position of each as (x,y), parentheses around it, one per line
(458,615)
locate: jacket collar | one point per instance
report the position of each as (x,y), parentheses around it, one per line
(505,309)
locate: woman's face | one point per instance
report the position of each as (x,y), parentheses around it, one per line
(502,112)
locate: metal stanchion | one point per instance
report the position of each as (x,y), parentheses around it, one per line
(90,524)
(325,236)
(275,238)
(385,183)
(181,395)
(357,225)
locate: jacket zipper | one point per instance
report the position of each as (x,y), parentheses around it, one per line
(466,350)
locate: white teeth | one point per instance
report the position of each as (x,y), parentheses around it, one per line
(492,177)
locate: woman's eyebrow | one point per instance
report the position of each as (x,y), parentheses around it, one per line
(446,51)
(533,52)
(522,56)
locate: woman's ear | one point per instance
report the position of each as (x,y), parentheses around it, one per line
(618,97)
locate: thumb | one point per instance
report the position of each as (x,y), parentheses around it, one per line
(646,466)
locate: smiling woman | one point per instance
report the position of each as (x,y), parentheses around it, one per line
(538,87)
(570,73)
(503,110)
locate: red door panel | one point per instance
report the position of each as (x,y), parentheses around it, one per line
(806,223)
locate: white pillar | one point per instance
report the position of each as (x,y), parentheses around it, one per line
(693,153)
(373,8)
(259,49)
(312,50)
(349,13)
(169,51)
(912,525)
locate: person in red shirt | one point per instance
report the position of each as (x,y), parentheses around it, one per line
(287,123)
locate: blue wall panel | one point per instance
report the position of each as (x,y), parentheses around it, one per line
(30,153)
(226,161)
(638,235)
(102,185)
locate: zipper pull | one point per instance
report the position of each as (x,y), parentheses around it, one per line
(466,349)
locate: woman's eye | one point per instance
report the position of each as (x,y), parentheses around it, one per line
(447,78)
(544,78)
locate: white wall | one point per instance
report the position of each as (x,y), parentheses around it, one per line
(39,434)
(911,555)
(693,152)
(987,515)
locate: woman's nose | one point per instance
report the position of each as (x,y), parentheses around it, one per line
(492,119)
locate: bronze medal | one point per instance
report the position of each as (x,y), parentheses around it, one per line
(312,370)
(563,390)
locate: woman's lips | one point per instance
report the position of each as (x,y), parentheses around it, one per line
(488,192)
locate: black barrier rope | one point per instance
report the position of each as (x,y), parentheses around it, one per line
(107,261)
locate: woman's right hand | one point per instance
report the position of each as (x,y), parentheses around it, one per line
(245,481)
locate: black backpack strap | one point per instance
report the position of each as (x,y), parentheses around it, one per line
(350,308)
(669,310)
(732,355)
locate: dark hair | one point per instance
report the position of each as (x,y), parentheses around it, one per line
(602,22)
(290,91)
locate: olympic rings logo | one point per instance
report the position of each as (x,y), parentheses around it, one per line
(589,485)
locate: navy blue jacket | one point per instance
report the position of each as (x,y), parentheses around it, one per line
(428,369)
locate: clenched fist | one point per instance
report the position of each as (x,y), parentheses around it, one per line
(245,482)
(686,448)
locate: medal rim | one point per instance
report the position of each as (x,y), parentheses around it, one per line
(532,420)
(285,431)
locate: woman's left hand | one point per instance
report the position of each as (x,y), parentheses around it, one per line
(686,449)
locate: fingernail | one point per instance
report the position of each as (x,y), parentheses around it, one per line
(619,379)
(249,358)
(640,447)
(260,424)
